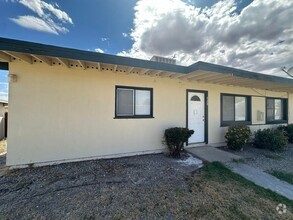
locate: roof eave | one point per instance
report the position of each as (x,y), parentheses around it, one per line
(88,56)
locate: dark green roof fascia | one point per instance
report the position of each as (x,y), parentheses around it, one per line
(238,72)
(54,51)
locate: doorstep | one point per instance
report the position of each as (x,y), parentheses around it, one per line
(211,154)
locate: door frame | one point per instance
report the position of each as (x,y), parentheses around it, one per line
(206,106)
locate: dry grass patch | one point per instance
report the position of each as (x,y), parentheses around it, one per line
(232,196)
(3,146)
(214,193)
(157,189)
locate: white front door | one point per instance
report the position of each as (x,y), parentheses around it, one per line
(196,116)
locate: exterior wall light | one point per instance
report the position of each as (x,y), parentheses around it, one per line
(12,78)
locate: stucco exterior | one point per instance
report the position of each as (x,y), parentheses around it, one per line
(71,113)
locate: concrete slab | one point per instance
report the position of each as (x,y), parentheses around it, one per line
(262,179)
(212,154)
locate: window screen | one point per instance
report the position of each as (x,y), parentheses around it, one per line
(124,102)
(276,110)
(228,108)
(270,109)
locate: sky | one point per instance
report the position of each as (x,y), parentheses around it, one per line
(252,35)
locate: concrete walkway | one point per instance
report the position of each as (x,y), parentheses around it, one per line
(262,179)
(212,154)
(257,176)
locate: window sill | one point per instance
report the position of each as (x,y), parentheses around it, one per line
(231,123)
(227,124)
(277,122)
(133,117)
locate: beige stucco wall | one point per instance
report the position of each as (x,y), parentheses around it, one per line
(58,113)
(258,106)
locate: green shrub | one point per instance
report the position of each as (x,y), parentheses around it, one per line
(175,138)
(290,133)
(272,139)
(288,129)
(282,128)
(237,136)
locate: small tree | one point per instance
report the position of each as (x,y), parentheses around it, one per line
(237,136)
(175,138)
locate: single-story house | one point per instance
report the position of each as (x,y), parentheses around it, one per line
(86,105)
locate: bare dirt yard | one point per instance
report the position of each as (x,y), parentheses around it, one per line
(140,187)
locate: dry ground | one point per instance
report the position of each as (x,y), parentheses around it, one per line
(267,160)
(141,187)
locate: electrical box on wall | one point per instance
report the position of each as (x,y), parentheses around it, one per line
(260,115)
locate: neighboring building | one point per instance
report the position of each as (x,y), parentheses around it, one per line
(3,118)
(67,104)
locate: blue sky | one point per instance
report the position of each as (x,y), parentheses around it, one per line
(92,21)
(233,33)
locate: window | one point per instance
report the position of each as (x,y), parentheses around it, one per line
(132,102)
(195,98)
(276,110)
(235,109)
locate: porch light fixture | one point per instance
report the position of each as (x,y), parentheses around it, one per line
(12,78)
(288,71)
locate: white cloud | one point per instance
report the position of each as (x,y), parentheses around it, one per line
(99,50)
(49,17)
(124,34)
(41,7)
(35,23)
(257,39)
(104,39)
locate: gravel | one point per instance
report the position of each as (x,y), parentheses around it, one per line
(86,190)
(267,160)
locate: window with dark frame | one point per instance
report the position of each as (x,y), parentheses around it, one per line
(133,102)
(235,109)
(276,110)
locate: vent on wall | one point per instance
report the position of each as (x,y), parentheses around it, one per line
(163,60)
